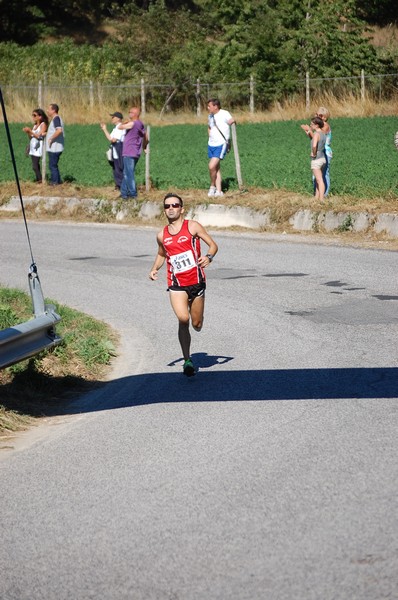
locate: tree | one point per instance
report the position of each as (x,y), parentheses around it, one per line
(164,44)
(325,38)
(378,12)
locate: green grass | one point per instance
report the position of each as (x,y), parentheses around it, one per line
(273,156)
(37,386)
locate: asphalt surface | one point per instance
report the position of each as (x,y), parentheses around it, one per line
(271,474)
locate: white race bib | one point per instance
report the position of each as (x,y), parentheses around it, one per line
(182,262)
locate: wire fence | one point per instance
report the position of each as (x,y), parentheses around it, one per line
(192,96)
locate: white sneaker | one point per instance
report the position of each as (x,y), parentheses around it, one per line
(218,193)
(212,191)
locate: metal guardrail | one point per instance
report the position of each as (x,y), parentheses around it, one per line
(27,339)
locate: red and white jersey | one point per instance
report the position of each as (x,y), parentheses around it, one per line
(182,254)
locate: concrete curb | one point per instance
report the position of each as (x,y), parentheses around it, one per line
(211,215)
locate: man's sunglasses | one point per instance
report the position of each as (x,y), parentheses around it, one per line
(174,205)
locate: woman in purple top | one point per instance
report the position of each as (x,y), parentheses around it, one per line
(134,142)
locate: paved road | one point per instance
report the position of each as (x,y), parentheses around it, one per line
(272,474)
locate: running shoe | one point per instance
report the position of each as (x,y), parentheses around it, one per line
(188,368)
(219,193)
(212,191)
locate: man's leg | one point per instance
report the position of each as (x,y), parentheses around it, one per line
(118,171)
(58,156)
(218,179)
(124,187)
(197,308)
(179,303)
(133,186)
(215,175)
(129,188)
(53,162)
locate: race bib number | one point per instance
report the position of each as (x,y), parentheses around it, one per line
(182,262)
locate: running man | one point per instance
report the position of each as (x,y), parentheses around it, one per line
(179,245)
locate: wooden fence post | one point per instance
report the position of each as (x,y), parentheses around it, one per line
(143,107)
(147,161)
(307,91)
(362,85)
(44,90)
(91,94)
(39,94)
(44,162)
(198,107)
(251,104)
(99,93)
(236,154)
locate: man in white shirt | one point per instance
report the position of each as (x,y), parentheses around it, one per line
(219,123)
(55,142)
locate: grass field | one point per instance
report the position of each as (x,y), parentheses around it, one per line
(39,385)
(273,155)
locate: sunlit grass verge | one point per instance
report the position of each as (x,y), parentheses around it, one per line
(39,386)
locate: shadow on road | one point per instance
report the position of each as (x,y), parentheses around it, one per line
(230,386)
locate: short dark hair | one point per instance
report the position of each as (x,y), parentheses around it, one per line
(318,121)
(173,195)
(54,107)
(214,101)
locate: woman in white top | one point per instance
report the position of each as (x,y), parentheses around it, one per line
(36,136)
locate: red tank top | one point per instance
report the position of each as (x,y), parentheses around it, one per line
(182,253)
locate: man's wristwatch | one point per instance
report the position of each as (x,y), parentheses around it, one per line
(210,257)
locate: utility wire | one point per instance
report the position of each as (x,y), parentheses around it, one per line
(14,164)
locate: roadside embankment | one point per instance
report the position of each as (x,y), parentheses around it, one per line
(320,220)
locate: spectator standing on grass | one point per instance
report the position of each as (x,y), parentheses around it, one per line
(318,158)
(179,245)
(219,122)
(135,141)
(324,114)
(36,135)
(55,143)
(116,137)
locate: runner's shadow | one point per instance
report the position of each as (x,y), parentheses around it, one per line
(230,386)
(202,360)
